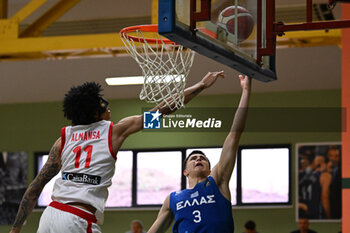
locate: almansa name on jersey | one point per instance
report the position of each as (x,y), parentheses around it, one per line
(204,200)
(85,136)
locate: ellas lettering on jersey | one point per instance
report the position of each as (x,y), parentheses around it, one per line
(204,200)
(85,136)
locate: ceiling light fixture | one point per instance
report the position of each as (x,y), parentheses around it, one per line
(137,80)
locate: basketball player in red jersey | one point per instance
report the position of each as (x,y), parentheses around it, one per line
(85,154)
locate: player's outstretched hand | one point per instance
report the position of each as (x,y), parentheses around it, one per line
(245,82)
(210,78)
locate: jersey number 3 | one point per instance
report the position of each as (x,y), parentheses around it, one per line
(197,216)
(77,152)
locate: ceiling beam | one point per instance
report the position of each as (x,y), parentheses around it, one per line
(31,45)
(54,43)
(49,17)
(28,10)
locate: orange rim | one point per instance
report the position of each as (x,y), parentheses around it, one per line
(144,28)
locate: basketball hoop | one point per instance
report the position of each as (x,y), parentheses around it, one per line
(165,65)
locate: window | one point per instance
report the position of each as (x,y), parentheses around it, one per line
(158,174)
(261,176)
(265,175)
(45,196)
(120,192)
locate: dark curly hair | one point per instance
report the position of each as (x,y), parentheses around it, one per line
(81,103)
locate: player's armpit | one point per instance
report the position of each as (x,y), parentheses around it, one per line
(30,197)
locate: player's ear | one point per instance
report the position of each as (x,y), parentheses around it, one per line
(185,173)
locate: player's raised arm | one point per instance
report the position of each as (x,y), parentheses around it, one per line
(164,218)
(30,197)
(223,170)
(133,124)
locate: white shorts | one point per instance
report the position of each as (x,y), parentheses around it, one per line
(59,217)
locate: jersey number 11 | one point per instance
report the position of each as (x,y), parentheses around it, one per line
(77,152)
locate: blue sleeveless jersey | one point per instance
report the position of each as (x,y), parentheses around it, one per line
(202,209)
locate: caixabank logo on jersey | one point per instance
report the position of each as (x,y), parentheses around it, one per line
(189,119)
(81,178)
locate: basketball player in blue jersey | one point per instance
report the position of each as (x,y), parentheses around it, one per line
(85,154)
(205,207)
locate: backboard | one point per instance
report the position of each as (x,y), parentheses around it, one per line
(231,32)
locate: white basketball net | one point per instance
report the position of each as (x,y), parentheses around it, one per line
(165,68)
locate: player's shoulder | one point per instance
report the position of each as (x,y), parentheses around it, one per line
(210,178)
(167,201)
(87,126)
(103,122)
(100,124)
(177,193)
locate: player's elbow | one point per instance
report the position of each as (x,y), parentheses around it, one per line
(234,136)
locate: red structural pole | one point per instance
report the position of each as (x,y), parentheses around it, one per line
(278,28)
(346,120)
(258,32)
(203,15)
(309,11)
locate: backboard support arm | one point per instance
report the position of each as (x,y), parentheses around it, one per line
(274,29)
